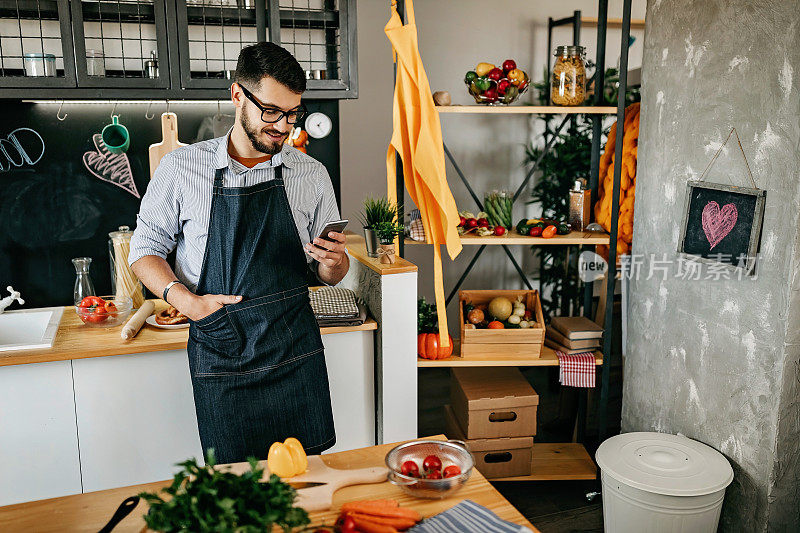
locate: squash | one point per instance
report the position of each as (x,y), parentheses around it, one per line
(428,346)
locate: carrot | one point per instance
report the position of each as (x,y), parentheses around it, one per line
(397,523)
(388,512)
(376,503)
(368,526)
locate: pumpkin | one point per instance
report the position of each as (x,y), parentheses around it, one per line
(428,346)
(602,207)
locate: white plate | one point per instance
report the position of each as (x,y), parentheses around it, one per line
(152,321)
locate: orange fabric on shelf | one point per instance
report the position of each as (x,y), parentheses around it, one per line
(417,137)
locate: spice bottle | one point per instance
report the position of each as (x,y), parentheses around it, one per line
(580,199)
(568,83)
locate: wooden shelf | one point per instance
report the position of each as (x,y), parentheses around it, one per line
(527,110)
(512,237)
(558,461)
(636,24)
(547,358)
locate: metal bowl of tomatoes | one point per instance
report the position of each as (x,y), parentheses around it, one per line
(104,311)
(432,469)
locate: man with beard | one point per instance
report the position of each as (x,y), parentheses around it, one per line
(242,212)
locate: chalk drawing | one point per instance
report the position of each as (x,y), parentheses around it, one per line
(108,167)
(717,223)
(19,150)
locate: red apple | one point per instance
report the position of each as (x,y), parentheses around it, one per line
(499,230)
(495,74)
(502,85)
(472,223)
(509,65)
(490,94)
(483,223)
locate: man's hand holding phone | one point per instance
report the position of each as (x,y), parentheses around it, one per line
(329,252)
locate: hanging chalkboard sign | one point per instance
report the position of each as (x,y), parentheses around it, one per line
(722,223)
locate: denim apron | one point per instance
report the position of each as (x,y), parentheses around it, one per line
(258,366)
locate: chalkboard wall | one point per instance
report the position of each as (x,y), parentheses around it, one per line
(53,209)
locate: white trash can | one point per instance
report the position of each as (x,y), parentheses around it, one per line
(659,483)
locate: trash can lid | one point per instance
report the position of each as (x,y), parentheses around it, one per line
(666,464)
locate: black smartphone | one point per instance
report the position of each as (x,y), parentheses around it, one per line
(337,226)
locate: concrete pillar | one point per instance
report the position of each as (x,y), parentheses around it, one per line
(718,360)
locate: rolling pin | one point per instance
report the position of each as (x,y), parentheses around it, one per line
(134,324)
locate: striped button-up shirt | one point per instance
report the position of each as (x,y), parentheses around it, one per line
(176,208)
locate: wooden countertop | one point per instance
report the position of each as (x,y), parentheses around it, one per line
(90,512)
(75,340)
(357,248)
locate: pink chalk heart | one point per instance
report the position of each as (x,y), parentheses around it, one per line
(717,223)
(111,168)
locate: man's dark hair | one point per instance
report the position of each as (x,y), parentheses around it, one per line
(269,59)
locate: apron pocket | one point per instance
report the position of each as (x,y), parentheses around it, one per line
(217,334)
(303,328)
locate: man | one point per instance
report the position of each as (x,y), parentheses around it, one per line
(243,211)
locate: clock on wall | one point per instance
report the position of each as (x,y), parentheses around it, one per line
(318,125)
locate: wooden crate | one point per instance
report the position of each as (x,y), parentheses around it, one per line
(500,343)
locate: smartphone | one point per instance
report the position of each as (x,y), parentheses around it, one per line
(337,226)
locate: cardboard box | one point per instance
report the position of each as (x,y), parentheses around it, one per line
(492,402)
(494,458)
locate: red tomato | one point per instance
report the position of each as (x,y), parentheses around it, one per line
(535,231)
(509,65)
(410,468)
(349,526)
(98,314)
(89,301)
(432,463)
(549,231)
(434,474)
(451,471)
(499,230)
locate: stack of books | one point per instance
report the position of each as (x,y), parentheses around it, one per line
(573,334)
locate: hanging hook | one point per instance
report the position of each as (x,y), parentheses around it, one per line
(147,114)
(58,113)
(167,105)
(114,110)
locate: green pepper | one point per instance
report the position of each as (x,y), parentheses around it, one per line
(563,228)
(482,83)
(522,227)
(470,77)
(541,224)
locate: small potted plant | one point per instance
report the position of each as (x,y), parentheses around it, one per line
(376,210)
(428,345)
(386,232)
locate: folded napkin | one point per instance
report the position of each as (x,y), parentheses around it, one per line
(467,517)
(340,322)
(576,370)
(334,302)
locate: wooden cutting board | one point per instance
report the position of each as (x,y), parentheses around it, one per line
(169,142)
(320,498)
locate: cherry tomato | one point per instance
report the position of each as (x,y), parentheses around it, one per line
(499,230)
(410,468)
(432,463)
(535,231)
(549,231)
(451,471)
(349,526)
(434,474)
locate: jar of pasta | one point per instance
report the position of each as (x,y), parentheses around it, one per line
(568,84)
(123,281)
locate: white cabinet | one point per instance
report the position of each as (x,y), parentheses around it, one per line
(136,418)
(38,434)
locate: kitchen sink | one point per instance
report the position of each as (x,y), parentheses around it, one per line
(27,329)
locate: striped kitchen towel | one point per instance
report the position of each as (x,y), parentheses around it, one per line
(467,517)
(576,370)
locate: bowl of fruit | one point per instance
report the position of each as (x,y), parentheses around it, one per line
(490,85)
(105,311)
(432,469)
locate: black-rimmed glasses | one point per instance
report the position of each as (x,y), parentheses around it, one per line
(271,115)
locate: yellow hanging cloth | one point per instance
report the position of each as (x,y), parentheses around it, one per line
(417,137)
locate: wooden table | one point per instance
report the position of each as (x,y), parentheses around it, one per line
(90,512)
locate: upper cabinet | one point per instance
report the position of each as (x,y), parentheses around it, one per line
(167,48)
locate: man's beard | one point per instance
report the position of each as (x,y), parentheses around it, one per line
(253,134)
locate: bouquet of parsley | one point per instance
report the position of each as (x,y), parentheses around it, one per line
(202,498)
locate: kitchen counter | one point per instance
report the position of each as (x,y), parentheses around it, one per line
(75,340)
(90,512)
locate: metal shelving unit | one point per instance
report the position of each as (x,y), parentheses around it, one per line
(547,466)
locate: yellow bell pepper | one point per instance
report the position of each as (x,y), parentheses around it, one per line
(287,459)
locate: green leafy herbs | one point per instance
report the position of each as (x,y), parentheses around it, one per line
(427,319)
(376,211)
(387,231)
(202,498)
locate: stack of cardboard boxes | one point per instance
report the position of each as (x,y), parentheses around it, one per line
(493,410)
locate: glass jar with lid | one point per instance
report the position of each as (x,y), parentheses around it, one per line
(123,281)
(568,84)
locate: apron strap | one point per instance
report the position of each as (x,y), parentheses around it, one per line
(219,174)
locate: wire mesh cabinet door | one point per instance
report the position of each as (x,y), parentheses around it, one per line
(36,44)
(121,43)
